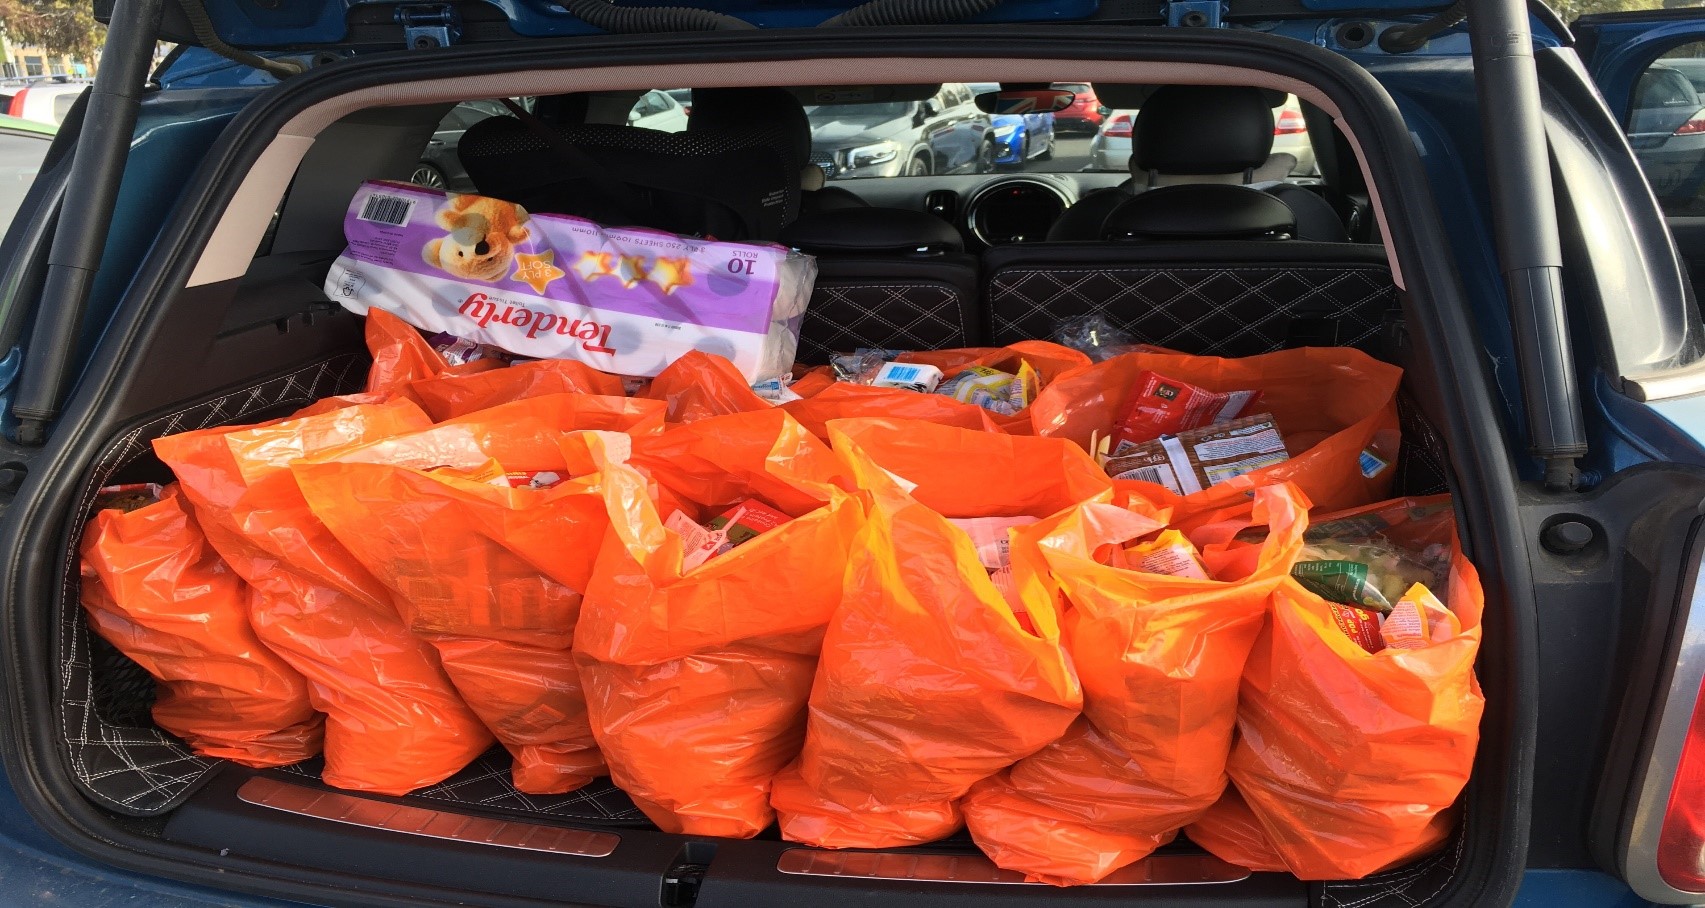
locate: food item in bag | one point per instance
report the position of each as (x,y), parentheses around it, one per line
(1359,624)
(918,377)
(624,300)
(459,351)
(1418,618)
(1171,552)
(1159,406)
(1196,459)
(743,522)
(776,390)
(994,550)
(155,590)
(860,366)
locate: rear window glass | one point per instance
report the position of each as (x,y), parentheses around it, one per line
(20,159)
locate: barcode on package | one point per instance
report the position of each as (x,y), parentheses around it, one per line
(387,209)
(1159,475)
(1371,464)
(902,373)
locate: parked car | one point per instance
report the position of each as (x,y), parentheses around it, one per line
(1085,114)
(440,167)
(658,110)
(1666,127)
(1550,347)
(1111,147)
(1019,138)
(23,145)
(683,97)
(942,135)
(43,100)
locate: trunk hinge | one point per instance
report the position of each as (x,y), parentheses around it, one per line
(1195,13)
(429,25)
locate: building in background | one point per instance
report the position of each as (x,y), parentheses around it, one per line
(18,61)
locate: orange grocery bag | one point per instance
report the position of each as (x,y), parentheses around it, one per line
(458,395)
(394,722)
(696,679)
(480,529)
(1230,832)
(932,676)
(401,356)
(153,588)
(701,385)
(1351,759)
(1050,360)
(1335,407)
(1159,656)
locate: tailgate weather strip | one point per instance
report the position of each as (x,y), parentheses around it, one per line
(422,821)
(1155,870)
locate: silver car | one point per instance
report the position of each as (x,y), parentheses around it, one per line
(1111,147)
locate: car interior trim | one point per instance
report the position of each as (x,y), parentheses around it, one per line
(338,807)
(1155,870)
(238,232)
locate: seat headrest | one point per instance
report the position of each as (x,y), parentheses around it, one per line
(1202,129)
(731,184)
(761,109)
(871,231)
(1200,212)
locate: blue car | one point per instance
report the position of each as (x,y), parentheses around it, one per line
(1479,219)
(1020,138)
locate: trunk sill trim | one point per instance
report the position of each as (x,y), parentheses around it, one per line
(1155,870)
(421,821)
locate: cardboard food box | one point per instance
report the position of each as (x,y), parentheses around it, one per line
(1197,459)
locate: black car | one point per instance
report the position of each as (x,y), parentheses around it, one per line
(945,134)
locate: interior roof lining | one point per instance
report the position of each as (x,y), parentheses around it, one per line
(238,234)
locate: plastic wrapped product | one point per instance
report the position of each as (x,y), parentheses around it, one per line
(623,300)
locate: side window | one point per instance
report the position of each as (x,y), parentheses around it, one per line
(1666,127)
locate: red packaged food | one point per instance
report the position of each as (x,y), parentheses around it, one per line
(1165,406)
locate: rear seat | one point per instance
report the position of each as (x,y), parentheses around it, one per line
(1210,298)
(888,278)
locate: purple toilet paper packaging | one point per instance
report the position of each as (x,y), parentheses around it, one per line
(624,300)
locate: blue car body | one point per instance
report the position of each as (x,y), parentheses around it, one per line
(202,94)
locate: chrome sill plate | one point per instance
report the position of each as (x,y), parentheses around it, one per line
(1156,870)
(420,821)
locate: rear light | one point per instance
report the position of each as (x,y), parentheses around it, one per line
(1694,125)
(1119,127)
(16,109)
(1290,123)
(1681,844)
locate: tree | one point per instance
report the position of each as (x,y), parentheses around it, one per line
(57,26)
(1570,10)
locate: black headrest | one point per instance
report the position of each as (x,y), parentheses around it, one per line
(871,230)
(1205,211)
(731,184)
(753,108)
(1201,129)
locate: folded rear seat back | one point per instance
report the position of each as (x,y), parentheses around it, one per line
(1237,298)
(886,277)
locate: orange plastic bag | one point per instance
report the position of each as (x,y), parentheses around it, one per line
(153,588)
(1050,360)
(1351,759)
(1230,832)
(931,679)
(1335,407)
(697,681)
(394,722)
(1159,657)
(401,357)
(466,555)
(458,395)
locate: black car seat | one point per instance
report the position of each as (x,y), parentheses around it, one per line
(771,109)
(886,277)
(725,183)
(1198,136)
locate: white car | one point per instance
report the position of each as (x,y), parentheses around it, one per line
(44,102)
(1111,147)
(658,110)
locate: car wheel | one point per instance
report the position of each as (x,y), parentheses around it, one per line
(986,157)
(919,167)
(1047,153)
(427,175)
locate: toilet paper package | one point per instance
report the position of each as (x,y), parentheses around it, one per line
(624,300)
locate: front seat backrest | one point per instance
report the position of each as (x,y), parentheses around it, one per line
(730,184)
(774,111)
(1197,213)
